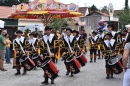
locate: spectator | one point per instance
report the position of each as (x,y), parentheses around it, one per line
(126,62)
(7,55)
(83,34)
(2,49)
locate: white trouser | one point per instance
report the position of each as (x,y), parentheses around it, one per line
(126,80)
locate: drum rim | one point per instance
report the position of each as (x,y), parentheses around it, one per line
(47,61)
(36,56)
(69,60)
(23,60)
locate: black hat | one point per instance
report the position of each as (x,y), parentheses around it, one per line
(47,28)
(74,31)
(110,26)
(94,33)
(100,31)
(69,30)
(123,34)
(109,34)
(19,31)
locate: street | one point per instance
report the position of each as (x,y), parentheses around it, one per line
(93,74)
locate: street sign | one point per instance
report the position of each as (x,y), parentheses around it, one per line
(111,11)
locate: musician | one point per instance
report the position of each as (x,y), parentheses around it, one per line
(92,46)
(18,51)
(101,37)
(66,50)
(110,30)
(80,41)
(109,51)
(33,45)
(50,51)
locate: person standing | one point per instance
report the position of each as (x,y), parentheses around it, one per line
(109,52)
(126,62)
(2,49)
(7,55)
(17,44)
(48,49)
(92,45)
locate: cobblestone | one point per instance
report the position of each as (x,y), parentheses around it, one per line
(93,74)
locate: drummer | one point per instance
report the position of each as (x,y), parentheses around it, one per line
(18,51)
(66,50)
(33,45)
(49,49)
(109,51)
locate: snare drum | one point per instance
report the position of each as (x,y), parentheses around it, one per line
(49,68)
(82,59)
(73,64)
(27,63)
(37,59)
(115,64)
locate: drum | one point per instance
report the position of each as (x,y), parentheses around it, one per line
(82,59)
(49,68)
(37,59)
(115,64)
(73,64)
(27,63)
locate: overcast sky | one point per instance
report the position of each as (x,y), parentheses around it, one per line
(118,4)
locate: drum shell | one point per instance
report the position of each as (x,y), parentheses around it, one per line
(117,68)
(36,59)
(82,59)
(28,61)
(73,61)
(50,66)
(115,64)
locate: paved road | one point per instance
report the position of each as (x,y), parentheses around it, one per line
(93,74)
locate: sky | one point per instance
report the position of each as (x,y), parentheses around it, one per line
(117,4)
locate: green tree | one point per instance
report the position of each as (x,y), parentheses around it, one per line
(126,5)
(93,8)
(57,23)
(12,2)
(104,9)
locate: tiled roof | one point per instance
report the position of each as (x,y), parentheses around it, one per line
(5,11)
(83,10)
(104,14)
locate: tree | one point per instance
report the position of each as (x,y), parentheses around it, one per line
(57,23)
(12,2)
(93,8)
(126,5)
(104,9)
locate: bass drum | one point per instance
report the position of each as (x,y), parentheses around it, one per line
(73,64)
(82,59)
(115,64)
(50,68)
(37,59)
(27,63)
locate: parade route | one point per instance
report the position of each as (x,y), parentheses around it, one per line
(93,74)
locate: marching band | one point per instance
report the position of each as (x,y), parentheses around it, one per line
(43,52)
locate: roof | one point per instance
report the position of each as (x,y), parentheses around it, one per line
(83,10)
(5,11)
(100,13)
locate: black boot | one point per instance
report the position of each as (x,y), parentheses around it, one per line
(68,71)
(18,72)
(52,81)
(45,81)
(91,60)
(35,68)
(24,71)
(111,75)
(72,74)
(107,76)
